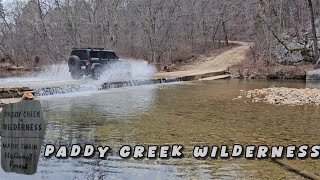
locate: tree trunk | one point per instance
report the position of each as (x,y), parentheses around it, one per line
(225,33)
(314,33)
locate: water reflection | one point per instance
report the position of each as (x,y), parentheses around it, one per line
(313,84)
(110,103)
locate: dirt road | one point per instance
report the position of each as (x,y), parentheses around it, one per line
(217,63)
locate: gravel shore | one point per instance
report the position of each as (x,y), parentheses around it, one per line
(283,96)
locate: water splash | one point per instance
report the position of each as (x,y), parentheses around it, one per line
(56,79)
(57,72)
(53,73)
(59,75)
(127,73)
(127,69)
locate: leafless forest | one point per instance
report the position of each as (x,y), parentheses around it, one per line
(160,31)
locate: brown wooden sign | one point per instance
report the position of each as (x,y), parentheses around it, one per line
(22,133)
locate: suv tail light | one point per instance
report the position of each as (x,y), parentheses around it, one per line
(87,63)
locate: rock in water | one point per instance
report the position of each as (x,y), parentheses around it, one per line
(284,96)
(313,75)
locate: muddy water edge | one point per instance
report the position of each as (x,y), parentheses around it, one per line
(199,113)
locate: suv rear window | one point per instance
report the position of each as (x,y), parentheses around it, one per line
(95,54)
(109,55)
(82,54)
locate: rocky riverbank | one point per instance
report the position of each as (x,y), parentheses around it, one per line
(283,96)
(6,93)
(290,59)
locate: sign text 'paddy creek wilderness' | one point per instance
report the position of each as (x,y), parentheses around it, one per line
(22,133)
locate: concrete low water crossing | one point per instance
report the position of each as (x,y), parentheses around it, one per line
(45,87)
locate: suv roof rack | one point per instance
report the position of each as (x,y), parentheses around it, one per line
(90,48)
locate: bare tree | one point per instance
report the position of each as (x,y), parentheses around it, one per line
(314,33)
(155,30)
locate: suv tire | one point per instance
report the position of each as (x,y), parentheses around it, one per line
(97,72)
(76,75)
(74,63)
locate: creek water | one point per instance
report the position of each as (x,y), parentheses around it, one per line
(190,114)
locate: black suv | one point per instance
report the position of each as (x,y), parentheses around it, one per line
(90,61)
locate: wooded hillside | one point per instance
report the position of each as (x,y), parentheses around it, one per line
(155,30)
